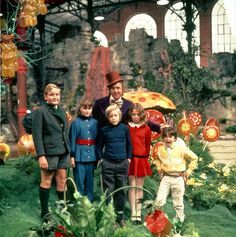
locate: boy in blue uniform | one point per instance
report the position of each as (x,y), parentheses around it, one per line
(83,133)
(114,150)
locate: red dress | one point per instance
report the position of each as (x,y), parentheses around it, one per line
(141,141)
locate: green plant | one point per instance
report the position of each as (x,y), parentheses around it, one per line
(151,83)
(95,41)
(83,218)
(83,68)
(231,129)
(233,97)
(212,184)
(136,69)
(133,83)
(26,164)
(80,89)
(223,120)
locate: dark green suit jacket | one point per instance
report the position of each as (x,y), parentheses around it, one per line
(50,131)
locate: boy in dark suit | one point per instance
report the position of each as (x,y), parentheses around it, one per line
(50,135)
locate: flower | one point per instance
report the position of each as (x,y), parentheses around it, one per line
(203,176)
(211,165)
(226,170)
(223,188)
(194,182)
(136,69)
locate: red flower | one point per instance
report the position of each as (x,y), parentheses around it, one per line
(61,231)
(156,222)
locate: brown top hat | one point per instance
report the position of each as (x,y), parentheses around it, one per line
(113,78)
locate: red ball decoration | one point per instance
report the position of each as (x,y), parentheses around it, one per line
(155,117)
(157,223)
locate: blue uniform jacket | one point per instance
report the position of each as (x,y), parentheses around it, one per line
(83,128)
(114,142)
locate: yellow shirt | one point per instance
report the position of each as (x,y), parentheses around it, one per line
(176,158)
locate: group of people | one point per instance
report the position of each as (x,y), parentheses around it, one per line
(113,133)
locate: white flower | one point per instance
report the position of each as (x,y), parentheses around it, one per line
(223,188)
(226,170)
(203,176)
(212,165)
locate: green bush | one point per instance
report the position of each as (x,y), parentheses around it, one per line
(231,129)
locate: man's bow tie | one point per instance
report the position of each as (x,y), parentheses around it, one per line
(119,103)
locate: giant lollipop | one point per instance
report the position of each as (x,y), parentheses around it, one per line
(155,117)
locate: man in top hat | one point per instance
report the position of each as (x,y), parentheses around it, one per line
(115,87)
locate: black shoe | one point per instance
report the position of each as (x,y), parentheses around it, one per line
(136,220)
(122,224)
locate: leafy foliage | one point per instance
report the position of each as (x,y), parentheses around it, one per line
(85,218)
(193,86)
(231,129)
(212,183)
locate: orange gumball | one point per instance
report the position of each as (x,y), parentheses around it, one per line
(25,145)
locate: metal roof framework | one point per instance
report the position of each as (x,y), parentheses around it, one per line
(74,10)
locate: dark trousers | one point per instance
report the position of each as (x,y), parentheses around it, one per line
(114,176)
(84,178)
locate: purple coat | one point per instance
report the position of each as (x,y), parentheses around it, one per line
(101,105)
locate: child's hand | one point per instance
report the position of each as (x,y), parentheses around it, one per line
(72,162)
(99,162)
(163,125)
(161,173)
(43,163)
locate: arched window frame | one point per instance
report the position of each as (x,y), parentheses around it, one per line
(101,38)
(141,20)
(222,37)
(174,28)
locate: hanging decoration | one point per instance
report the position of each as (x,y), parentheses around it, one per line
(8,56)
(30,10)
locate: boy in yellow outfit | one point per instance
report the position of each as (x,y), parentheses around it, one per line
(175,163)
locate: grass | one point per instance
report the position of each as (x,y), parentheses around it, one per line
(20,208)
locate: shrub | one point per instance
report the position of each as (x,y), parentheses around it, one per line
(231,129)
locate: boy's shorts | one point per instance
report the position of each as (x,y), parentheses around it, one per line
(57,162)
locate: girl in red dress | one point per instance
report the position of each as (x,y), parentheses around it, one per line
(139,167)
